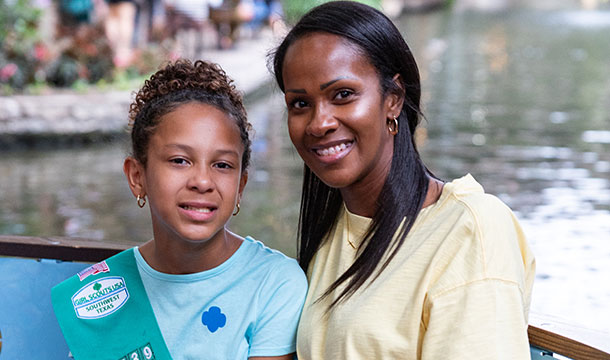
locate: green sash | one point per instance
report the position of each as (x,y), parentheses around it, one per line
(104,313)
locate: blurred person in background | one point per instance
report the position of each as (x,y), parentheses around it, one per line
(119,24)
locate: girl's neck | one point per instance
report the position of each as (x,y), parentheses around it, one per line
(181,257)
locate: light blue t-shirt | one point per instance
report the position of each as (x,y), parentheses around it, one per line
(247,306)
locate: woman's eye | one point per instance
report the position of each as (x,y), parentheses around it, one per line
(298,104)
(343,94)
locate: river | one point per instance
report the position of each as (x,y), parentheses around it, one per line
(517,95)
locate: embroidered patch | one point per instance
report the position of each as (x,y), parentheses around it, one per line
(100,298)
(213,318)
(93,270)
(142,353)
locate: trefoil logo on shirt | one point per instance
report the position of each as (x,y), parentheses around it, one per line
(213,318)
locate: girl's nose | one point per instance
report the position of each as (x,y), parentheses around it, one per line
(200,179)
(322,122)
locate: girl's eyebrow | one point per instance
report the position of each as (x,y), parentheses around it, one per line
(179,146)
(188,148)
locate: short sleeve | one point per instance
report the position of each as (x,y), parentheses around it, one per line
(478,307)
(480,320)
(281,302)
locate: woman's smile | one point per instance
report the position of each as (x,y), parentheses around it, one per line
(333,152)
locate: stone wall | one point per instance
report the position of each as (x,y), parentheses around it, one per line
(64,114)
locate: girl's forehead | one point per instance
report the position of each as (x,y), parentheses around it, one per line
(192,120)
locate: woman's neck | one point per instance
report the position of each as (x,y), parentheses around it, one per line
(362,199)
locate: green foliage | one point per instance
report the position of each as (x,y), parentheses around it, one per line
(294,9)
(81,55)
(20,46)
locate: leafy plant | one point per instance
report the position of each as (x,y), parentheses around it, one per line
(22,53)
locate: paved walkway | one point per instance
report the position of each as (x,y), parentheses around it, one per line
(68,113)
(246,63)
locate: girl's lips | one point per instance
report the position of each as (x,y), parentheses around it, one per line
(198,212)
(332,152)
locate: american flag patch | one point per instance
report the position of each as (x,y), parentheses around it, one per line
(93,269)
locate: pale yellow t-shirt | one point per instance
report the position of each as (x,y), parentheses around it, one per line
(459,287)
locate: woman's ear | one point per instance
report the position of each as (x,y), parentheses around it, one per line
(395,98)
(135,174)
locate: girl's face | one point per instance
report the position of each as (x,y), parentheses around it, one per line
(193,177)
(337,114)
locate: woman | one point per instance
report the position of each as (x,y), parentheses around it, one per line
(400,264)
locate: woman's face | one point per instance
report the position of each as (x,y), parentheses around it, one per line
(337,114)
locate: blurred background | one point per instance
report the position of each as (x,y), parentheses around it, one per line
(515,92)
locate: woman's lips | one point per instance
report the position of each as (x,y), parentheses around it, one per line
(333,152)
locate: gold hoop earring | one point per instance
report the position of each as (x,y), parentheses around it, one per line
(236,210)
(394,130)
(141,200)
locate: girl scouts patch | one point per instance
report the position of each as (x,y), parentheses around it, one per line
(100,298)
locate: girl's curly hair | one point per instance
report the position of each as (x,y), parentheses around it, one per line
(183,82)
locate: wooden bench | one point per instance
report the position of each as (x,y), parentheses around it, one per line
(547,335)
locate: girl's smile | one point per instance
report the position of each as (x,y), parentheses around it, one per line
(198,211)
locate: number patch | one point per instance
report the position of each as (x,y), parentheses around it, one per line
(142,353)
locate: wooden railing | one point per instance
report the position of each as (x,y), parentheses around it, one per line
(573,341)
(550,335)
(59,248)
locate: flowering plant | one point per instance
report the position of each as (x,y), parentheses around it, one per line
(22,53)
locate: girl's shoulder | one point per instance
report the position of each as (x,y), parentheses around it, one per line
(275,274)
(265,259)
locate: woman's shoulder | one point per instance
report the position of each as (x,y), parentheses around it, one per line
(467,196)
(483,236)
(468,218)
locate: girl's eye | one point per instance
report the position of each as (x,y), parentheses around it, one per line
(179,161)
(224,165)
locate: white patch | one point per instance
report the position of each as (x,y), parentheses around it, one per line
(100,298)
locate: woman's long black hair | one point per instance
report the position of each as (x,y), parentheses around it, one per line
(405,188)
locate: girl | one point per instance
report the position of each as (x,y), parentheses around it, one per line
(400,264)
(196,290)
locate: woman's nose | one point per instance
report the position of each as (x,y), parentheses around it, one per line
(322,122)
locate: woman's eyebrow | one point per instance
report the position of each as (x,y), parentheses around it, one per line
(322,87)
(298,91)
(327,84)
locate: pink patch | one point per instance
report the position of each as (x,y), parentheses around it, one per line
(93,270)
